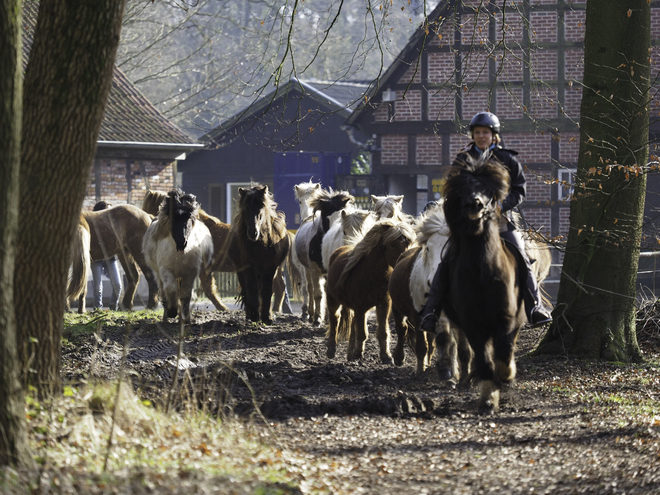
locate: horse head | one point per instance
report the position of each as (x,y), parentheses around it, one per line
(254,203)
(329,202)
(303,193)
(182,210)
(388,206)
(472,191)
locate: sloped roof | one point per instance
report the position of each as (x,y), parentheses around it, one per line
(402,62)
(129,118)
(337,97)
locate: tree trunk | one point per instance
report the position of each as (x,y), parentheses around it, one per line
(67,82)
(13,432)
(595,313)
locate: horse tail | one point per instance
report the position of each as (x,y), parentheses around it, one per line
(81,265)
(345,323)
(295,275)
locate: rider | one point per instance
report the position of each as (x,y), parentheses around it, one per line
(485,131)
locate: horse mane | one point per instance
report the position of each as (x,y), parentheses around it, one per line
(176,199)
(326,195)
(152,201)
(431,222)
(487,170)
(273,221)
(384,232)
(354,219)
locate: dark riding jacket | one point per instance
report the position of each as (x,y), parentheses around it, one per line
(518,189)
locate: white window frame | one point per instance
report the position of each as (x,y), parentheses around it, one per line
(565,175)
(230,200)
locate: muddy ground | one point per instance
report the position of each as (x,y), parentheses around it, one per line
(566,426)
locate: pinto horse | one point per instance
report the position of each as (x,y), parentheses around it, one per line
(357,281)
(119,231)
(308,242)
(177,247)
(409,285)
(479,271)
(349,229)
(258,244)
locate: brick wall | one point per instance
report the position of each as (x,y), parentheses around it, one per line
(539,219)
(441,104)
(532,148)
(395,149)
(544,27)
(114,186)
(429,150)
(409,108)
(569,146)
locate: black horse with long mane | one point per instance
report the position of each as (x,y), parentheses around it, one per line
(258,244)
(480,271)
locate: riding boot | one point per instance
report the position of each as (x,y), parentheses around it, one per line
(536,313)
(430,313)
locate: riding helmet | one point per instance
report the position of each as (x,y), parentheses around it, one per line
(486,119)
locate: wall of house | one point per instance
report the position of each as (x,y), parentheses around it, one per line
(122,181)
(533,86)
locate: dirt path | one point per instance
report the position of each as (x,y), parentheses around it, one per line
(564,427)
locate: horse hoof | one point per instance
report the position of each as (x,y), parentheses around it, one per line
(330,353)
(487,408)
(267,321)
(317,323)
(387,360)
(444,374)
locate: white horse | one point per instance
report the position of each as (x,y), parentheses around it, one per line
(308,243)
(390,206)
(303,192)
(349,229)
(177,247)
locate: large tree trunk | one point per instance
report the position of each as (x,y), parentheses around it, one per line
(595,313)
(13,433)
(66,87)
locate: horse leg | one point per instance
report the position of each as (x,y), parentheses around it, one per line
(333,318)
(207,281)
(132,279)
(278,286)
(152,283)
(170,293)
(505,363)
(446,365)
(266,295)
(359,335)
(464,359)
(489,398)
(250,289)
(319,292)
(310,300)
(401,326)
(383,330)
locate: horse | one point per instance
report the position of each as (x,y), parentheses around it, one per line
(358,281)
(258,244)
(177,247)
(482,292)
(409,285)
(303,192)
(349,229)
(119,231)
(390,206)
(221,261)
(80,266)
(308,242)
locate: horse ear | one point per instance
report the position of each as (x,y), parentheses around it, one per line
(266,188)
(241,191)
(317,186)
(343,213)
(399,199)
(374,199)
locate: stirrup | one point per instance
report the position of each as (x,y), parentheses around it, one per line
(429,323)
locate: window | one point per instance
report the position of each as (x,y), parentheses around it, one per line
(566,177)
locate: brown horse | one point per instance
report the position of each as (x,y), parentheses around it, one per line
(258,244)
(358,279)
(119,231)
(80,266)
(221,261)
(482,290)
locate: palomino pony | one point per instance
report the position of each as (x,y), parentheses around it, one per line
(221,261)
(482,290)
(308,243)
(258,244)
(409,286)
(177,247)
(357,281)
(119,231)
(80,266)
